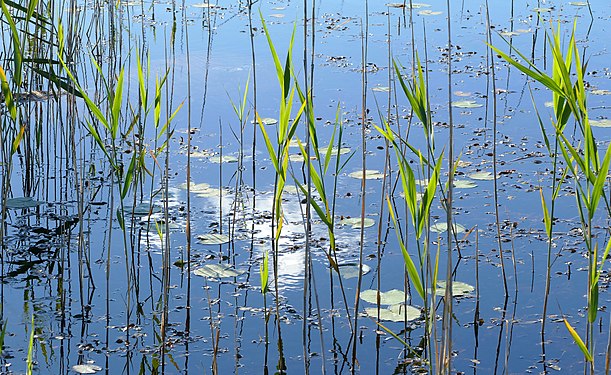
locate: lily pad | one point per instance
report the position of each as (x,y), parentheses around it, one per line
(203,5)
(605,123)
(483,176)
(269,121)
(381,89)
(356,222)
(212,239)
(217,271)
(442,227)
(406,5)
(370,174)
(601,92)
(334,151)
(86,368)
(22,202)
(464,184)
(392,297)
(196,187)
(458,288)
(466,104)
(351,270)
(542,10)
(145,209)
(428,12)
(578,3)
(202,154)
(395,313)
(225,159)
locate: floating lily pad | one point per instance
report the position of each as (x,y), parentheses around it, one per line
(334,151)
(466,104)
(578,3)
(269,121)
(276,15)
(600,92)
(406,5)
(203,5)
(542,10)
(483,176)
(356,222)
(549,104)
(458,288)
(395,313)
(217,271)
(464,184)
(370,174)
(392,297)
(145,208)
(508,34)
(86,368)
(212,239)
(196,187)
(225,159)
(202,154)
(351,270)
(442,227)
(428,12)
(381,89)
(605,123)
(22,202)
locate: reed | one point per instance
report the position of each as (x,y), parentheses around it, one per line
(585,163)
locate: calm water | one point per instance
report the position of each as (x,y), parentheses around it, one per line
(81,316)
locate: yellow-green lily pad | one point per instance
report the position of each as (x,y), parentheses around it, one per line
(466,104)
(443,226)
(217,271)
(351,270)
(428,12)
(458,288)
(392,297)
(605,123)
(483,176)
(357,223)
(464,184)
(370,174)
(395,313)
(224,159)
(86,368)
(212,239)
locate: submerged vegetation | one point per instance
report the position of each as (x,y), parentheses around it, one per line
(429,202)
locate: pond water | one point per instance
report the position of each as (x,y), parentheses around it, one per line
(158,278)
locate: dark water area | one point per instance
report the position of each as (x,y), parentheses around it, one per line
(154,278)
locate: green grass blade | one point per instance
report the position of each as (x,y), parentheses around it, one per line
(578,341)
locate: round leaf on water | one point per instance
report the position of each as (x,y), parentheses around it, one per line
(217,271)
(600,92)
(458,288)
(203,5)
(605,123)
(225,159)
(406,5)
(442,227)
(427,12)
(145,208)
(356,222)
(466,104)
(351,270)
(483,176)
(269,121)
(464,184)
(202,154)
(22,202)
(381,89)
(212,239)
(392,297)
(542,10)
(196,188)
(334,151)
(370,174)
(395,313)
(86,369)
(579,3)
